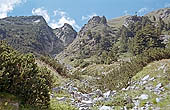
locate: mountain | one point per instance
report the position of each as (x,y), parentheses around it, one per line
(94,37)
(163,13)
(109,39)
(30,34)
(66,34)
(117,22)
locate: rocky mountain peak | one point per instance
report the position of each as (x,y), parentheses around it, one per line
(24,20)
(67,26)
(30,34)
(163,13)
(66,33)
(97,20)
(92,23)
(131,20)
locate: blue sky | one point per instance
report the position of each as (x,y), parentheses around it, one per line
(77,12)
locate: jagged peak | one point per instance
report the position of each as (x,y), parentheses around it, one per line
(24,19)
(98,20)
(66,25)
(163,13)
(134,19)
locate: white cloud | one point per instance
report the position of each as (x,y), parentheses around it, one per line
(60,18)
(125,13)
(59,12)
(167,5)
(63,18)
(142,11)
(88,16)
(41,12)
(7,6)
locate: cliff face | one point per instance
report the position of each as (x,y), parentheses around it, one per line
(66,34)
(164,14)
(93,38)
(30,34)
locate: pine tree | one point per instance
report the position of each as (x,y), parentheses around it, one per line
(145,39)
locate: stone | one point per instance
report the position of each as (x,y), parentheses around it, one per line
(159,85)
(162,67)
(151,79)
(57,89)
(124,108)
(98,99)
(105,108)
(158,100)
(87,103)
(107,94)
(144,82)
(145,78)
(144,97)
(98,92)
(84,108)
(66,33)
(61,98)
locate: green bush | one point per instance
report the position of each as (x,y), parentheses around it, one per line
(20,75)
(54,63)
(119,77)
(54,105)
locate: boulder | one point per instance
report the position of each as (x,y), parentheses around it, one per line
(105,108)
(144,97)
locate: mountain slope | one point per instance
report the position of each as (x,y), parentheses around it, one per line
(150,88)
(94,37)
(66,33)
(30,34)
(163,13)
(117,22)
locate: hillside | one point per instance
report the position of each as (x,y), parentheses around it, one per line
(161,13)
(117,22)
(148,89)
(122,63)
(66,33)
(30,34)
(93,39)
(103,41)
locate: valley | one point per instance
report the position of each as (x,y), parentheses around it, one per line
(117,64)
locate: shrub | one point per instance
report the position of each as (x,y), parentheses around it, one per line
(118,78)
(20,75)
(54,63)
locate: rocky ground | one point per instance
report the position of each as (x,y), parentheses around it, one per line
(148,90)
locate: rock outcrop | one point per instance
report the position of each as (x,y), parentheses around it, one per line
(30,34)
(89,38)
(66,33)
(131,20)
(164,14)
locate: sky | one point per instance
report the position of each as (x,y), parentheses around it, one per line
(78,12)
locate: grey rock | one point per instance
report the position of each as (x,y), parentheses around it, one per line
(98,92)
(105,108)
(84,108)
(158,100)
(61,98)
(144,97)
(57,89)
(158,85)
(107,94)
(66,33)
(145,78)
(33,35)
(87,103)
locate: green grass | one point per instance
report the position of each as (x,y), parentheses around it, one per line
(120,99)
(8,102)
(55,105)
